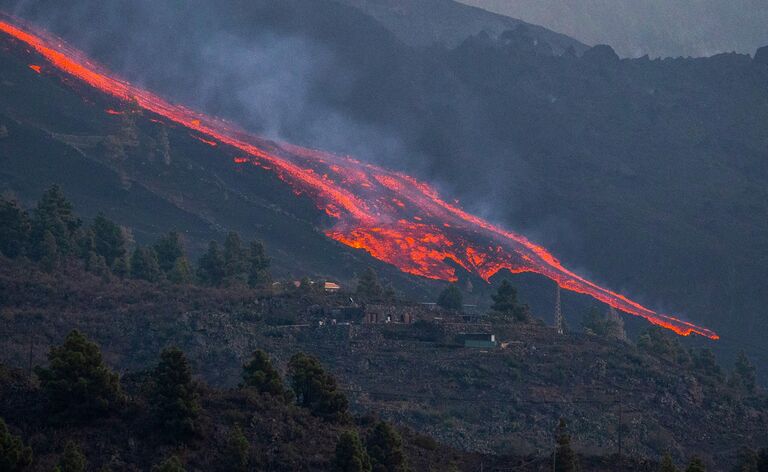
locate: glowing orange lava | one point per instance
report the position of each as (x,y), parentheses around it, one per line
(394,217)
(36,68)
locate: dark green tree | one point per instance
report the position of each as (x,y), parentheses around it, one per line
(210,267)
(350,454)
(565,457)
(368,286)
(505,302)
(743,375)
(451,298)
(236,454)
(258,265)
(144,264)
(235,260)
(122,267)
(595,323)
(72,460)
(54,214)
(667,464)
(259,373)
(14,455)
(48,252)
(316,389)
(173,396)
(15,228)
(706,362)
(696,465)
(97,265)
(77,383)
(108,239)
(169,250)
(385,448)
(660,342)
(172,464)
(181,273)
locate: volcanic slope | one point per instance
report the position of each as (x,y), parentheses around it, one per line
(394,217)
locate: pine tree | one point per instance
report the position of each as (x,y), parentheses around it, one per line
(169,250)
(565,458)
(173,396)
(210,267)
(15,228)
(108,239)
(77,383)
(385,448)
(14,455)
(451,298)
(49,253)
(72,460)
(144,265)
(316,389)
(743,375)
(121,267)
(235,260)
(594,322)
(667,464)
(350,455)
(172,464)
(368,285)
(97,265)
(258,265)
(696,465)
(505,302)
(181,272)
(236,453)
(54,214)
(707,363)
(259,373)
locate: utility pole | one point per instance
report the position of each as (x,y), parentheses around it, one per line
(559,328)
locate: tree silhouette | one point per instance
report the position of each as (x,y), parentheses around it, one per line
(350,455)
(316,389)
(72,460)
(173,396)
(259,373)
(258,265)
(77,383)
(385,447)
(14,455)
(564,457)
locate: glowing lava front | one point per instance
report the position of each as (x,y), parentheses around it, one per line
(394,217)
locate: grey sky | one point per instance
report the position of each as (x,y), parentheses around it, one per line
(654,27)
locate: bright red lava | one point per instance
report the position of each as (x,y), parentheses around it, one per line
(394,217)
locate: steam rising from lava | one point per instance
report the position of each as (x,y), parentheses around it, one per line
(394,217)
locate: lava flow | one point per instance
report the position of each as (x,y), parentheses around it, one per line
(394,217)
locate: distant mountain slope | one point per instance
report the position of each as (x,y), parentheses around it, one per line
(427,22)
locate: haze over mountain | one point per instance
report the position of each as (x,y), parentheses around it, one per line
(668,28)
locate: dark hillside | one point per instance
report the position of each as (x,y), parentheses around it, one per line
(502,400)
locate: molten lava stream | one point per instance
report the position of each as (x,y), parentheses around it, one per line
(394,217)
